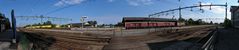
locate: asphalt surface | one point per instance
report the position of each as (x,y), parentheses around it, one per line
(227,39)
(6,36)
(6,41)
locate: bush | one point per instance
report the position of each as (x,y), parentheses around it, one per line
(227,23)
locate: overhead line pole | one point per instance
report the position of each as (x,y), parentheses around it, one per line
(180,8)
(226,10)
(180,12)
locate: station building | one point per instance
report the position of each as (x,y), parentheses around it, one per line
(146,22)
(235,16)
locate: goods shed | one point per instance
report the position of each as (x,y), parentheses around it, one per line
(146,22)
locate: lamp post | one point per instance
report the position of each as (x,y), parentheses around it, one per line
(83,20)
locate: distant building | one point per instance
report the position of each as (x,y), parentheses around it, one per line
(235,16)
(86,24)
(75,24)
(146,22)
(4,23)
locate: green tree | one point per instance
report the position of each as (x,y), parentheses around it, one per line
(27,26)
(198,22)
(92,23)
(190,21)
(227,23)
(119,24)
(36,24)
(180,19)
(47,23)
(211,22)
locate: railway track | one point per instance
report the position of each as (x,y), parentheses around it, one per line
(84,41)
(66,41)
(192,42)
(180,35)
(77,37)
(142,42)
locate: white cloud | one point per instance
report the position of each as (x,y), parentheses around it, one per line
(218,10)
(68,2)
(130,2)
(139,2)
(205,3)
(214,9)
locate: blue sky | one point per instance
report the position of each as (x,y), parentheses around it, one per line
(108,11)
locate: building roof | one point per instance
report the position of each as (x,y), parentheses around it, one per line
(147,19)
(234,8)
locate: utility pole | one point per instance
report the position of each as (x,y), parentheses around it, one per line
(83,20)
(41,17)
(70,23)
(13,26)
(237,1)
(149,22)
(181,8)
(226,10)
(180,12)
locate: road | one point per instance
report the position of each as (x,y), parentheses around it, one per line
(227,39)
(6,41)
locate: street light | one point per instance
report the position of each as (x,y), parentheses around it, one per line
(83,20)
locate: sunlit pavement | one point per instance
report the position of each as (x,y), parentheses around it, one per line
(6,41)
(227,39)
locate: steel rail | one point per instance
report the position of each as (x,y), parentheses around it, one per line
(210,44)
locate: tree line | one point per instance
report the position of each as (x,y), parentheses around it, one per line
(40,24)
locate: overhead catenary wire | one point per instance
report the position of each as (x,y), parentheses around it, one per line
(185,8)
